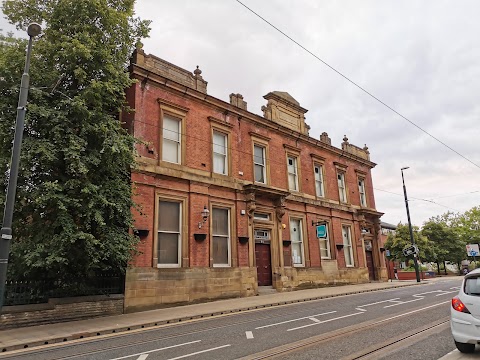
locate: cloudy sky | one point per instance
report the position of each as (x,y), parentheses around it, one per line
(419,57)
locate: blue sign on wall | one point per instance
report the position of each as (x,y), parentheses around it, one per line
(322,231)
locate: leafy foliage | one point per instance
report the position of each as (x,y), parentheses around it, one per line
(446,236)
(401,239)
(73,208)
(446,242)
(468,226)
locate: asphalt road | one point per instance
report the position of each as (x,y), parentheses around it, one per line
(405,323)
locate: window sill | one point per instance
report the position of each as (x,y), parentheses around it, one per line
(221,266)
(220,175)
(298,265)
(168,266)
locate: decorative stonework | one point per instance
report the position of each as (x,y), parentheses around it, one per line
(355,150)
(325,138)
(361,220)
(251,205)
(321,203)
(280,208)
(283,109)
(237,100)
(167,70)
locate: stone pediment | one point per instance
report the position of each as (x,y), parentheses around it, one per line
(283,109)
(286,96)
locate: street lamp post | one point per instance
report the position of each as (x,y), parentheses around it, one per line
(412,240)
(33,30)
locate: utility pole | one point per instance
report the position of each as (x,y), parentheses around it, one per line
(412,240)
(33,30)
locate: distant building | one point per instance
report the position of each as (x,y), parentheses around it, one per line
(385,230)
(231,200)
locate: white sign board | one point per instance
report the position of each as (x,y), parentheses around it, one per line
(472,250)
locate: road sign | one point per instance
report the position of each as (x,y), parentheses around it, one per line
(410,250)
(472,250)
(322,231)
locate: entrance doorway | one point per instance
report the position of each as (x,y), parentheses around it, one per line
(370,265)
(264,267)
(263,257)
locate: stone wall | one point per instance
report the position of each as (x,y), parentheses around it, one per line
(328,274)
(61,310)
(149,288)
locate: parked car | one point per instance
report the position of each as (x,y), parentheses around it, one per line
(465,313)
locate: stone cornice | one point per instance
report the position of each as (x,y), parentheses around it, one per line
(141,73)
(259,136)
(173,105)
(219,122)
(321,203)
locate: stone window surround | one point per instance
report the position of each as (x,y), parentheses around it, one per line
(293,152)
(319,161)
(342,169)
(232,262)
(180,113)
(329,240)
(184,257)
(362,176)
(305,251)
(225,129)
(265,211)
(262,141)
(352,248)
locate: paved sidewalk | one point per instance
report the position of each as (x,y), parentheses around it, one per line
(53,333)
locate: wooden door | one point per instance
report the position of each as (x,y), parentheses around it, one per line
(264,266)
(370,266)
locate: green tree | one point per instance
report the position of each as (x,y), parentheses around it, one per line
(74,195)
(468,226)
(401,240)
(447,245)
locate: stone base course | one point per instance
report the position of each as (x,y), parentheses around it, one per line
(150,288)
(61,310)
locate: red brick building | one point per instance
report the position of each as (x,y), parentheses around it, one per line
(231,200)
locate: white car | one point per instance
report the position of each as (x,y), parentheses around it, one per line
(465,313)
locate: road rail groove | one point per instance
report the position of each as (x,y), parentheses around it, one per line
(127,330)
(293,347)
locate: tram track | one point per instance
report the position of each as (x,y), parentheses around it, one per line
(55,346)
(375,351)
(366,354)
(47,351)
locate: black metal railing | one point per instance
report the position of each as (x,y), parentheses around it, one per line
(24,291)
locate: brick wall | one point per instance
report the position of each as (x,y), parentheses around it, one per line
(61,310)
(194,181)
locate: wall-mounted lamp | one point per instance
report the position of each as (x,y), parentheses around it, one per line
(205,215)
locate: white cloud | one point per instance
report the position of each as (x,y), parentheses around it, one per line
(420,57)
